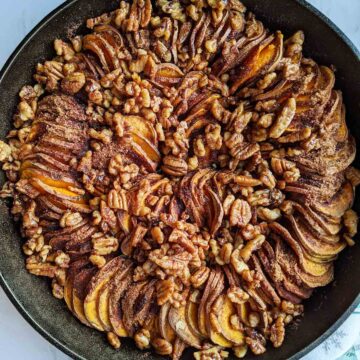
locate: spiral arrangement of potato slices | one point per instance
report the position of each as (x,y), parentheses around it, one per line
(182,174)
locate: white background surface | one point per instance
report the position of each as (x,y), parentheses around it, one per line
(18,340)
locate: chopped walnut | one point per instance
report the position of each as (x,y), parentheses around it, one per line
(161,346)
(97,260)
(213,137)
(237,295)
(104,135)
(73,82)
(268,214)
(62,259)
(240,351)
(284,119)
(255,346)
(291,309)
(104,245)
(5,151)
(254,319)
(224,256)
(240,213)
(157,234)
(277,332)
(35,266)
(212,353)
(64,49)
(165,290)
(26,112)
(57,290)
(237,262)
(199,148)
(251,246)
(114,340)
(70,219)
(142,339)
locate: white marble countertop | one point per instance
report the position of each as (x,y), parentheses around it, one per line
(17,338)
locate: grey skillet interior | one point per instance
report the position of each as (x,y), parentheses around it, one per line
(31,295)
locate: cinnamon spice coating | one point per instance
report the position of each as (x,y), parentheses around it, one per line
(183,175)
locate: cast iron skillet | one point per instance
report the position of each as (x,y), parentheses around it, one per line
(31,295)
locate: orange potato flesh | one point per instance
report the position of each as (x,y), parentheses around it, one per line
(150,150)
(103,309)
(226,311)
(59,192)
(253,66)
(31,173)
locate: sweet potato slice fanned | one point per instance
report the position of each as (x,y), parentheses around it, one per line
(137,305)
(224,309)
(191,314)
(178,323)
(165,329)
(73,271)
(119,285)
(311,243)
(97,283)
(103,307)
(261,60)
(80,284)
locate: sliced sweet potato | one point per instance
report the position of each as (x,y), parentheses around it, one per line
(99,281)
(93,43)
(200,106)
(178,323)
(165,329)
(74,269)
(239,51)
(149,148)
(68,204)
(103,307)
(311,243)
(138,125)
(342,132)
(338,204)
(202,307)
(137,305)
(266,286)
(225,309)
(178,349)
(143,156)
(191,315)
(119,286)
(217,289)
(317,259)
(216,211)
(260,60)
(79,237)
(50,177)
(316,281)
(80,284)
(218,339)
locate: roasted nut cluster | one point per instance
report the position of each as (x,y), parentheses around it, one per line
(182,174)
